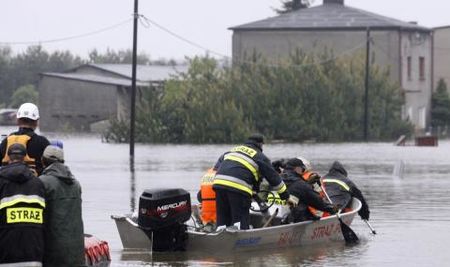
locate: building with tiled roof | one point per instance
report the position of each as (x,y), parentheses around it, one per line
(404,47)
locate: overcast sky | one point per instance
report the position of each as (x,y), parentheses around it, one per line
(202,22)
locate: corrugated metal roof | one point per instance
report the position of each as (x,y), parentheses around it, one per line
(144,73)
(95,78)
(329,16)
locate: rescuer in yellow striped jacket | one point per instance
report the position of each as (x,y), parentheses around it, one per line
(239,173)
(22,205)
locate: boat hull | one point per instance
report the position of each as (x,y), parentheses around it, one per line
(289,235)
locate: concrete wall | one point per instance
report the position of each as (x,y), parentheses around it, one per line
(441,55)
(278,45)
(66,104)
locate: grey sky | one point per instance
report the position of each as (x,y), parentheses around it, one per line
(204,22)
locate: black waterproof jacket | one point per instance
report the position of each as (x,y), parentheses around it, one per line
(341,189)
(241,179)
(64,236)
(306,196)
(21,216)
(35,146)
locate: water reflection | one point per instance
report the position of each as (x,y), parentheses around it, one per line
(312,255)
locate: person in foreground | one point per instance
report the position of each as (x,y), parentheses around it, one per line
(239,172)
(303,193)
(22,206)
(27,120)
(341,189)
(64,236)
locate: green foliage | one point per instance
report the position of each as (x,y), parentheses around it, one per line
(440,105)
(24,68)
(301,99)
(119,57)
(23,94)
(292,5)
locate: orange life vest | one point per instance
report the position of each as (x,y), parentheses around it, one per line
(317,213)
(23,140)
(208,213)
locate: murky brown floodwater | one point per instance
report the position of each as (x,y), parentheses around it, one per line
(410,213)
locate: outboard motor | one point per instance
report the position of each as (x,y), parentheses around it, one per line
(162,213)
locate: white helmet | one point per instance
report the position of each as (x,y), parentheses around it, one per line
(306,162)
(29,111)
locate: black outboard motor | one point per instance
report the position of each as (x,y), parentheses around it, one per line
(162,213)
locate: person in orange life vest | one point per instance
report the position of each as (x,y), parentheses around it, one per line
(341,189)
(27,120)
(207,198)
(303,193)
(239,173)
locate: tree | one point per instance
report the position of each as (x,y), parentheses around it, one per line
(119,57)
(23,94)
(440,105)
(292,5)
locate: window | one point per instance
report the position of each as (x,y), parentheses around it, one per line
(421,68)
(409,66)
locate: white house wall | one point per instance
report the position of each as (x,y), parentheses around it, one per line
(417,91)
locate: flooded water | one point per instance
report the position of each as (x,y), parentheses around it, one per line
(407,189)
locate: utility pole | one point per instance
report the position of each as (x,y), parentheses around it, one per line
(366,91)
(133,85)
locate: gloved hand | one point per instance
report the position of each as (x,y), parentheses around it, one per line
(314,178)
(333,209)
(292,201)
(284,195)
(364,214)
(278,165)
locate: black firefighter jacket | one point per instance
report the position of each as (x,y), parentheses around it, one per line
(243,168)
(21,216)
(341,189)
(306,196)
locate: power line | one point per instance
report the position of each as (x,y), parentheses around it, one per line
(69,37)
(149,22)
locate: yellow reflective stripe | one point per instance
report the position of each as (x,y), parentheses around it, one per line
(275,198)
(246,150)
(24,215)
(282,189)
(246,164)
(11,201)
(233,185)
(339,182)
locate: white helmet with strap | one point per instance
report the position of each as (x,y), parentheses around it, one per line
(29,111)
(307,163)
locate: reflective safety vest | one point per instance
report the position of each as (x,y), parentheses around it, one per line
(208,195)
(23,140)
(244,156)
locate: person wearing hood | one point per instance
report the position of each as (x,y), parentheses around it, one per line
(341,189)
(22,206)
(64,235)
(239,173)
(302,193)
